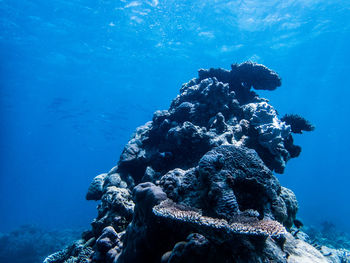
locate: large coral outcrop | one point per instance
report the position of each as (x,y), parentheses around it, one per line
(196,183)
(216,108)
(228,181)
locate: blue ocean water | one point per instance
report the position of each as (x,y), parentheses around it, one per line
(77,78)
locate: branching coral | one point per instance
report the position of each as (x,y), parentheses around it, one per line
(76,253)
(59,256)
(297,123)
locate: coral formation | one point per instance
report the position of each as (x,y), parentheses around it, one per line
(328,235)
(333,245)
(195,248)
(228,180)
(78,252)
(297,123)
(243,225)
(96,188)
(216,108)
(196,183)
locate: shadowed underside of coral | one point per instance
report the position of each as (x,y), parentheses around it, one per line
(196,182)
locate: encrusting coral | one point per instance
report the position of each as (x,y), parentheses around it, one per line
(196,183)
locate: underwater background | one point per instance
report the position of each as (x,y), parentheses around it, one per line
(78,77)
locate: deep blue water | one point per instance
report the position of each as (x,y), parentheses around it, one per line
(77,78)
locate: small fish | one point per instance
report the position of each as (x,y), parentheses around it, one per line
(166,155)
(298,224)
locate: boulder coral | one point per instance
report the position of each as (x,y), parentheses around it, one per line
(196,183)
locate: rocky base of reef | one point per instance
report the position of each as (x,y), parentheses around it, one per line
(329,253)
(327,234)
(167,232)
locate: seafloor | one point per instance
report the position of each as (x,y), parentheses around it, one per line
(196,183)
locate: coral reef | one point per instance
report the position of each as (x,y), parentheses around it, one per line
(328,235)
(78,252)
(30,243)
(331,243)
(300,251)
(228,180)
(196,183)
(96,188)
(216,108)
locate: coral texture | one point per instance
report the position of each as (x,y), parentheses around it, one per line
(196,183)
(228,181)
(95,190)
(244,225)
(297,123)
